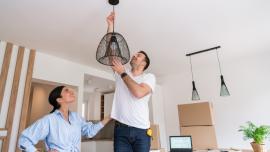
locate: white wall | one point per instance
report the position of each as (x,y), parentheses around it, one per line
(90,104)
(248,80)
(108,101)
(88,146)
(97,146)
(104,146)
(2,53)
(54,69)
(95,106)
(157,112)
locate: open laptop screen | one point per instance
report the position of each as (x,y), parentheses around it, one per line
(180,142)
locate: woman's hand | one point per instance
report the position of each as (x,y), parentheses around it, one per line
(106,120)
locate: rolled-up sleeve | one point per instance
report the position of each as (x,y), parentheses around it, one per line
(150,80)
(30,136)
(89,130)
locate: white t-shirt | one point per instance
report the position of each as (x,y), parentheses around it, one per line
(127,108)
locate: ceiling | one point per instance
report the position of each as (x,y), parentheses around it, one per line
(165,29)
(96,84)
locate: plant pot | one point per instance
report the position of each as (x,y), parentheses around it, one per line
(258,147)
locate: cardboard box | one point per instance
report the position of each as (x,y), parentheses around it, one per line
(155,139)
(196,114)
(203,137)
(160,150)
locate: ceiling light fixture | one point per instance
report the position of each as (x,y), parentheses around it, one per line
(112,46)
(195,94)
(223,90)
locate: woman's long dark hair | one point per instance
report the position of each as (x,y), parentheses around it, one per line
(55,93)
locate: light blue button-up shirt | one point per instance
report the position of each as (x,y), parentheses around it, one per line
(57,133)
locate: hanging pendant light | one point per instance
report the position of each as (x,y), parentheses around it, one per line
(112,46)
(195,94)
(223,89)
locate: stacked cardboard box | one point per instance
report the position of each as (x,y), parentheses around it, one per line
(160,150)
(196,119)
(155,139)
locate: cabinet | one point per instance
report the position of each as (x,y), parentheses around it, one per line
(108,101)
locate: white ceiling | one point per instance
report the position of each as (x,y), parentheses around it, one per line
(96,84)
(166,29)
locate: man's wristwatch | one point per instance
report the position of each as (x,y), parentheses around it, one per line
(123,74)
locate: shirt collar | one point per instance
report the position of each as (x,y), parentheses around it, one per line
(57,112)
(130,73)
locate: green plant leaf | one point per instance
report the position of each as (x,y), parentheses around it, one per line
(258,134)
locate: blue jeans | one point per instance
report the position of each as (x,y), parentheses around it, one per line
(130,139)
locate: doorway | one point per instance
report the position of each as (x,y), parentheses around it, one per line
(39,105)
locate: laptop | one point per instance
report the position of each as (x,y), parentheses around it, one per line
(180,144)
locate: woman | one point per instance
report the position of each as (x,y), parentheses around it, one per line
(62,129)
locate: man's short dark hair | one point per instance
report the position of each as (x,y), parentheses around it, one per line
(147,60)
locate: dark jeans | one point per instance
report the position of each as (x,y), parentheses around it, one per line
(130,139)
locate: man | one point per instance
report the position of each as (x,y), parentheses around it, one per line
(130,104)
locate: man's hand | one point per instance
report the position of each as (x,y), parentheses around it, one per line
(118,67)
(110,21)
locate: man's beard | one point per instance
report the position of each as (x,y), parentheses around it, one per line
(133,65)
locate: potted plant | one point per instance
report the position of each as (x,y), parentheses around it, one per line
(257,133)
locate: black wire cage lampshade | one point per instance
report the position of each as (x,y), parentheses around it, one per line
(112,46)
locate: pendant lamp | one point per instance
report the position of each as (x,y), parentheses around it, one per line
(195,94)
(223,89)
(112,46)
